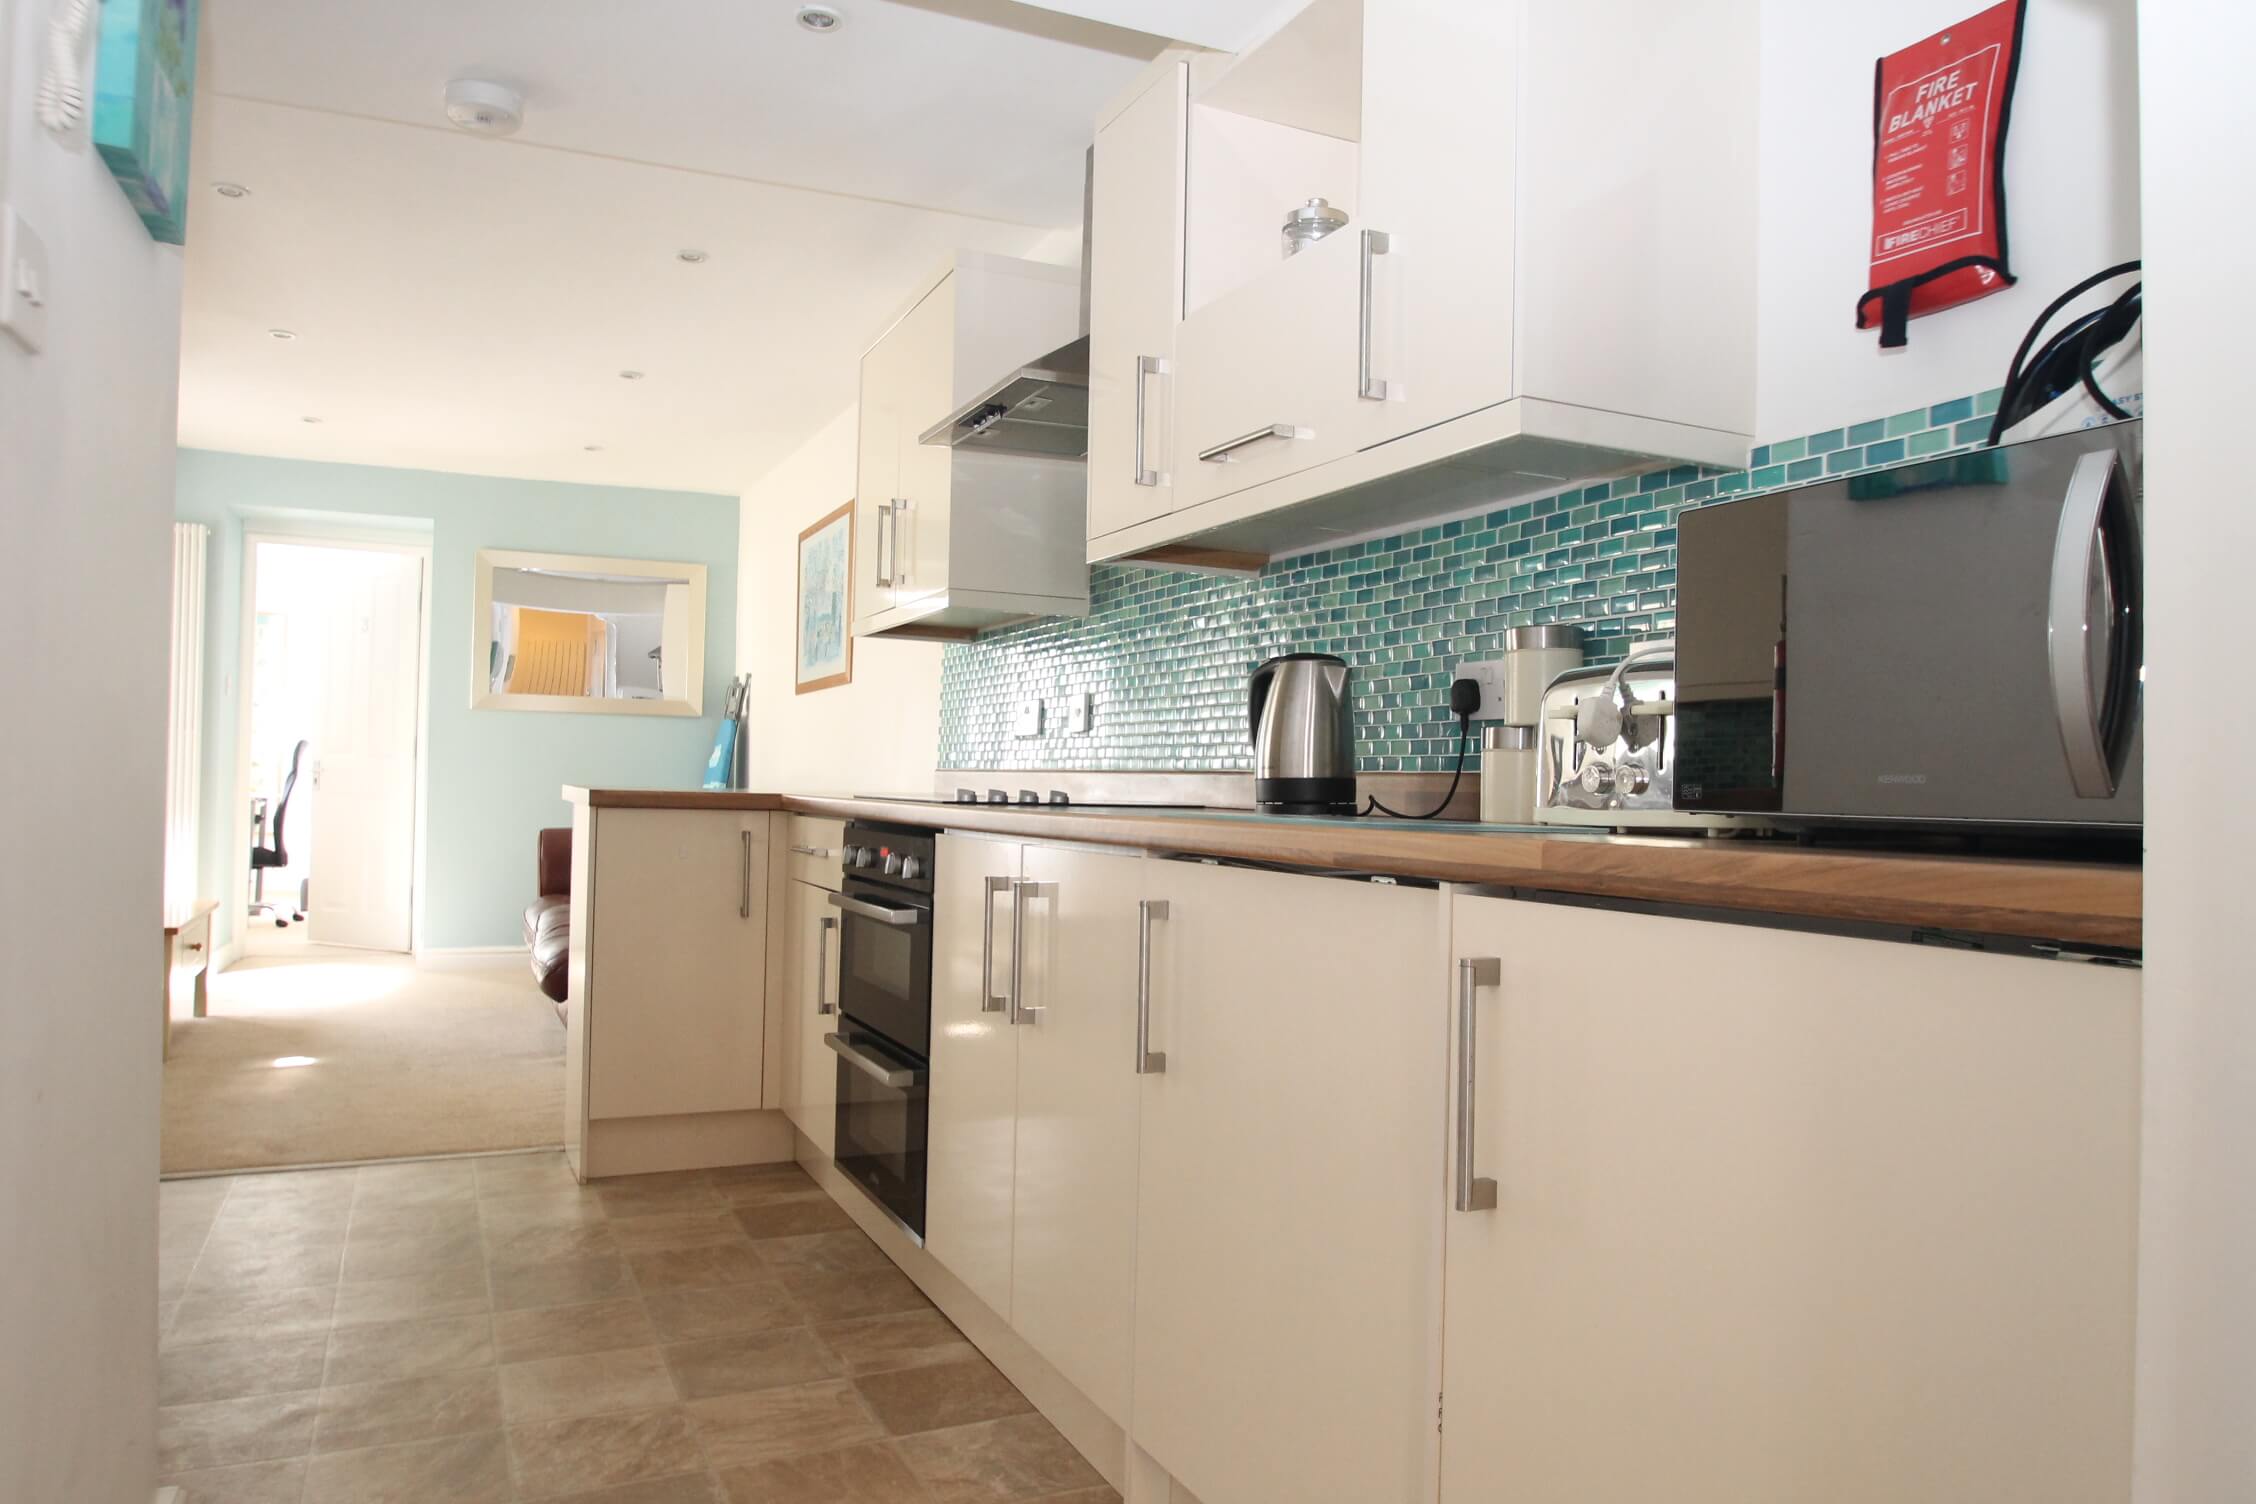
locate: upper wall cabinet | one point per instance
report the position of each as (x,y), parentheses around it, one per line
(949,541)
(1546,270)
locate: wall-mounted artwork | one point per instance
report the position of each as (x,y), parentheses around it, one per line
(826,565)
(144,95)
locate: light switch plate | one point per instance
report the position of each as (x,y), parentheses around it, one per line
(1026,718)
(1080,713)
(23,281)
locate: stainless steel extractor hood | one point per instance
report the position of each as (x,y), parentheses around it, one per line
(1040,410)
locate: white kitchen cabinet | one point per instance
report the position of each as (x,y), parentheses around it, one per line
(973,1124)
(950,541)
(809,1008)
(1289,1223)
(1780,1217)
(1135,300)
(1548,272)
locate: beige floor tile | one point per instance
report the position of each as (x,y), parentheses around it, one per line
(595,1452)
(1098,1495)
(683,1488)
(423,1219)
(543,1242)
(841,1252)
(416,1183)
(880,1344)
(237,1262)
(1021,1458)
(841,1297)
(755,1306)
(250,1483)
(409,1349)
(354,1416)
(254,1315)
(515,1174)
(166,1310)
(940,1395)
(565,1206)
(642,1195)
(233,1370)
(764,1184)
(559,1282)
(744,1430)
(560,1331)
(690,1229)
(701,1268)
(173,1271)
(794,1218)
(850,1475)
(585,1384)
(390,1255)
(290,1188)
(458,1290)
(224,1432)
(269,1221)
(451,1470)
(180,1201)
(754,1360)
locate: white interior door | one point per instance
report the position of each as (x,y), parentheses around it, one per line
(363,865)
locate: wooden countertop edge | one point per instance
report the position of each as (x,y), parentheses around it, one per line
(2081,902)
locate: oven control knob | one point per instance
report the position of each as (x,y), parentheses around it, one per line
(1597,778)
(911,868)
(892,864)
(863,856)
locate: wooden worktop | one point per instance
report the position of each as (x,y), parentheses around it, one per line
(2082,902)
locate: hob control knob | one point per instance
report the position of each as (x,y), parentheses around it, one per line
(911,868)
(892,863)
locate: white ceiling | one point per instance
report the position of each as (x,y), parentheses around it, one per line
(1226,25)
(466,304)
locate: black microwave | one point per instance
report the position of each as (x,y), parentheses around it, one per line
(1952,642)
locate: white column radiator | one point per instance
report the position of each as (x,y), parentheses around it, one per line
(185,717)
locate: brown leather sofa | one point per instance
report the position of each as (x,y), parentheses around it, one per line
(548,919)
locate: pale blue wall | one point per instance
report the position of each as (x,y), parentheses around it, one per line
(494,774)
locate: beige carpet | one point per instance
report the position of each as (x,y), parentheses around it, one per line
(379,1057)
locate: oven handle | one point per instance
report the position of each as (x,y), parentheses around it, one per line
(877,1070)
(877,911)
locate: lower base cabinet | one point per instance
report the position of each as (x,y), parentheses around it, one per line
(810,1010)
(1782,1217)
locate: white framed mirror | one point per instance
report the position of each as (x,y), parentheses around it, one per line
(587,635)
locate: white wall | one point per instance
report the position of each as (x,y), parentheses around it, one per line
(2196,1438)
(2072,182)
(879,734)
(86,455)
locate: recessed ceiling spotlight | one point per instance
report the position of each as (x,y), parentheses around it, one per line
(284,334)
(820,18)
(630,375)
(593,448)
(309,420)
(483,107)
(231,190)
(693,257)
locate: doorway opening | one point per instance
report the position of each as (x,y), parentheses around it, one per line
(334,697)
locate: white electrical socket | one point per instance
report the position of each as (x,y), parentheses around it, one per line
(1080,712)
(23,281)
(1026,718)
(1488,673)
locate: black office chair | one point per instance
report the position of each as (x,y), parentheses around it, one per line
(276,854)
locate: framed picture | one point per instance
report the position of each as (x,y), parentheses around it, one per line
(826,577)
(144,91)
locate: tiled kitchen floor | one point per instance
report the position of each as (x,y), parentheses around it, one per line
(487,1331)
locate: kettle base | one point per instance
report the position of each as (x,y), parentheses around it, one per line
(1304,796)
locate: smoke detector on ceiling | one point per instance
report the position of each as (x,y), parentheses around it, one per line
(483,107)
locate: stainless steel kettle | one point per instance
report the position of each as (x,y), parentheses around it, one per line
(1303,729)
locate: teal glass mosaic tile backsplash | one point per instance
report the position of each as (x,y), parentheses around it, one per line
(1165,653)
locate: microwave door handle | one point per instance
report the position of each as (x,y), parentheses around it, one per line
(2076,701)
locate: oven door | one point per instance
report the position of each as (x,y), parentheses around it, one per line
(885,967)
(883,1118)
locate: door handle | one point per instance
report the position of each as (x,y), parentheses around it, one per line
(1020,892)
(744,894)
(1147,366)
(1220,453)
(2080,707)
(1375,243)
(814,851)
(989,1001)
(898,1077)
(882,913)
(823,1004)
(884,538)
(1475,1193)
(902,506)
(1149,1062)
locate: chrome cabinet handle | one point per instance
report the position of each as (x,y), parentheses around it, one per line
(744,896)
(1220,453)
(901,508)
(885,537)
(1475,1193)
(1147,366)
(989,1000)
(823,1004)
(882,913)
(1149,1062)
(1020,1013)
(2080,706)
(817,851)
(1375,243)
(877,1070)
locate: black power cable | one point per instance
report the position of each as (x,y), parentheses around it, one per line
(2029,384)
(1464,699)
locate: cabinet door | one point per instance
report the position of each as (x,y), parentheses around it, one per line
(1073,1262)
(1289,1226)
(1439,170)
(677,962)
(810,1004)
(974,1102)
(1782,1217)
(926,341)
(1135,299)
(877,478)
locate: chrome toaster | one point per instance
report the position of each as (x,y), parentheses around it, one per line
(1606,748)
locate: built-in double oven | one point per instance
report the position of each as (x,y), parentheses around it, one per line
(884,1038)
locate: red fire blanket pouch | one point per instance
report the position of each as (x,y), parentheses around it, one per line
(1939,115)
